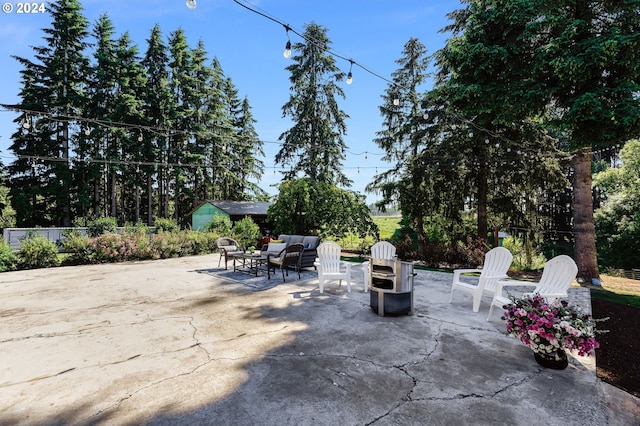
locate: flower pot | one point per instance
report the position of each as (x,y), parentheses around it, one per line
(556,360)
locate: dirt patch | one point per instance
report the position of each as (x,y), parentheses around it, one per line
(619,352)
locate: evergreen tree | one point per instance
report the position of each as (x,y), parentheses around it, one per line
(588,58)
(314,146)
(128,108)
(157,106)
(221,139)
(249,146)
(95,140)
(53,85)
(181,87)
(501,169)
(402,137)
(243,162)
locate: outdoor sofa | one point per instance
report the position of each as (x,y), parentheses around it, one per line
(309,242)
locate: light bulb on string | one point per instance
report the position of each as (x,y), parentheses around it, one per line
(396,99)
(26,123)
(140,136)
(191,4)
(287,48)
(87,131)
(350,75)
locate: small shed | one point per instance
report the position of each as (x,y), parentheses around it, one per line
(234,210)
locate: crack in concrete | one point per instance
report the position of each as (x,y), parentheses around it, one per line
(197,343)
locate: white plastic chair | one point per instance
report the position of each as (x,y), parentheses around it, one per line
(557,276)
(496,264)
(380,250)
(330,267)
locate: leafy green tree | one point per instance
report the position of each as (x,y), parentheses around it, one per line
(305,206)
(617,221)
(314,146)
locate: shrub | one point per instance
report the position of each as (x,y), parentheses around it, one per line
(8,259)
(525,257)
(201,242)
(36,251)
(137,227)
(102,226)
(220,225)
(121,247)
(166,225)
(170,244)
(246,232)
(78,245)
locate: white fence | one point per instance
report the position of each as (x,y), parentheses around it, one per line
(12,236)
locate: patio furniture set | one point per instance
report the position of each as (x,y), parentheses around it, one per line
(391,280)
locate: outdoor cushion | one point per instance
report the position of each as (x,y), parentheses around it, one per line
(275,248)
(310,242)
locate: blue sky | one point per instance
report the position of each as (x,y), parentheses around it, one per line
(249,48)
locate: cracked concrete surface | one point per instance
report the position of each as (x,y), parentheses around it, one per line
(161,343)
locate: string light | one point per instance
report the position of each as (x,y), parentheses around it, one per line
(191,4)
(350,75)
(287,48)
(26,124)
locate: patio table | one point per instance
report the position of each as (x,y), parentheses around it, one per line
(250,263)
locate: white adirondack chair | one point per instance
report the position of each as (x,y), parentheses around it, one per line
(380,250)
(330,267)
(496,264)
(557,276)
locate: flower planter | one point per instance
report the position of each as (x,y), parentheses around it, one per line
(556,360)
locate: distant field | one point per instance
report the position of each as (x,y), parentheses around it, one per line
(388,225)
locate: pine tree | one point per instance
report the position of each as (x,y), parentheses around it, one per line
(314,146)
(503,162)
(53,85)
(221,139)
(576,58)
(181,87)
(156,108)
(94,140)
(402,137)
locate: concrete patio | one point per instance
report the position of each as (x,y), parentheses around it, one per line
(169,343)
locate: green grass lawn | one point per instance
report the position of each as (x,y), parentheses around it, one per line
(388,225)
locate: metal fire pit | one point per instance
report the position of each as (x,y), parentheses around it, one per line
(391,286)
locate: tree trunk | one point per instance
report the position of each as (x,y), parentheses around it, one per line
(149,200)
(482,200)
(583,224)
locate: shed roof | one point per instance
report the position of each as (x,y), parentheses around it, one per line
(240,208)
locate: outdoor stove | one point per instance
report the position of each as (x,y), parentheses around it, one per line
(391,286)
